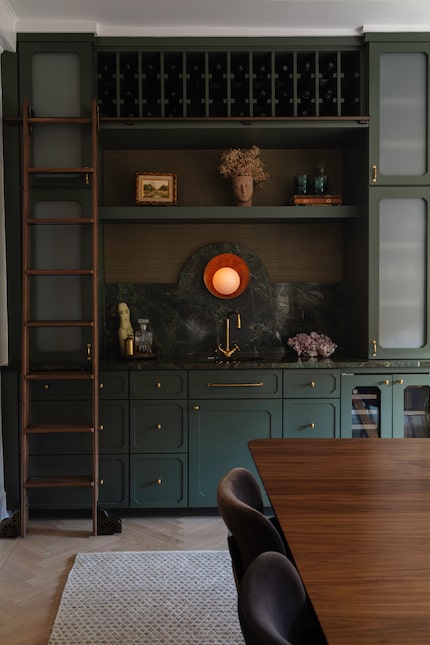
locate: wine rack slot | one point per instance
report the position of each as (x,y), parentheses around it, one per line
(229,84)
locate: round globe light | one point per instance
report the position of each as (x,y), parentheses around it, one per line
(226,281)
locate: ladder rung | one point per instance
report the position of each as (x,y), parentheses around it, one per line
(59,119)
(57,428)
(55,171)
(60,376)
(59,323)
(63,272)
(58,482)
(59,220)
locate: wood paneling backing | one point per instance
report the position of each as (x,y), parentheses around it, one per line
(156,253)
(199,182)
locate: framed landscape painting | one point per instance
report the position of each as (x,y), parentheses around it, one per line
(156,188)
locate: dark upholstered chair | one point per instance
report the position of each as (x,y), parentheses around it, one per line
(273,606)
(251,532)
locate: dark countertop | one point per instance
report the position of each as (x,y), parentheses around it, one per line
(192,362)
(244,362)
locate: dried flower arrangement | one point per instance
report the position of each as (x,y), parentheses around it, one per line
(236,162)
(312,344)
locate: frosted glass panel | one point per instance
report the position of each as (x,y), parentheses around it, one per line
(56,84)
(56,92)
(403,114)
(402,273)
(56,297)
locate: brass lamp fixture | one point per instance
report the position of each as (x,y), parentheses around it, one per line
(226,276)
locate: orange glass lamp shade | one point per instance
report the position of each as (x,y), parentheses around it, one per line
(226,276)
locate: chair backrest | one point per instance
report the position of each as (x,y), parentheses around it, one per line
(273,606)
(241,506)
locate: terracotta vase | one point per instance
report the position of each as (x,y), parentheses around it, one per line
(243,189)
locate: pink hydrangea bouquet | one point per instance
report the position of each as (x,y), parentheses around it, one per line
(312,344)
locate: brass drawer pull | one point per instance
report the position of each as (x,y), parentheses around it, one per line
(196,407)
(159,482)
(158,426)
(312,384)
(158,385)
(236,384)
(312,425)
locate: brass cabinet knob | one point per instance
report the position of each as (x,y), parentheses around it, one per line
(196,407)
(46,386)
(158,385)
(101,386)
(158,426)
(101,482)
(101,427)
(386,382)
(312,425)
(400,381)
(312,384)
(159,482)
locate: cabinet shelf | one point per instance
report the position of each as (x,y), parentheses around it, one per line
(230,213)
(197,134)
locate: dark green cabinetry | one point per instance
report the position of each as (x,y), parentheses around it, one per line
(311,404)
(399,291)
(71,403)
(228,409)
(158,439)
(399,110)
(385,404)
(399,179)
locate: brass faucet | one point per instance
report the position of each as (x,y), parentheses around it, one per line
(227,352)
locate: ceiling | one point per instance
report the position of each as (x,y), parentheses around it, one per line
(210,17)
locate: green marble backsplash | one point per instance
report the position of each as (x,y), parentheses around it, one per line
(186,319)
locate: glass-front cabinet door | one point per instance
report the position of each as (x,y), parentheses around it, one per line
(398,273)
(385,405)
(399,113)
(411,413)
(366,406)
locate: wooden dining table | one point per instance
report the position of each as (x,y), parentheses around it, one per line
(356,514)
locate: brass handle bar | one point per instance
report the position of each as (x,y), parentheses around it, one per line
(260,384)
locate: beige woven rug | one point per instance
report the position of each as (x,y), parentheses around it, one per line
(149,597)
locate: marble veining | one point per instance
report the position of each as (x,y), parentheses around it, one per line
(188,320)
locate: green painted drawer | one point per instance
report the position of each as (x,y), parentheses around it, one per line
(158,427)
(63,389)
(235,384)
(158,384)
(114,427)
(158,481)
(311,419)
(113,472)
(311,383)
(113,385)
(113,423)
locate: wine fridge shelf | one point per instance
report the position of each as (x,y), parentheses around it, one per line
(229,84)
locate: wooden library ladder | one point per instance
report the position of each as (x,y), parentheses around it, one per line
(33,374)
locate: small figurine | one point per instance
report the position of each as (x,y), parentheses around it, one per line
(125,330)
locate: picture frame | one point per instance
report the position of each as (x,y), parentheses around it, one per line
(156,188)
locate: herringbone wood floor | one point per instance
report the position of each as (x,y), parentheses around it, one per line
(33,570)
